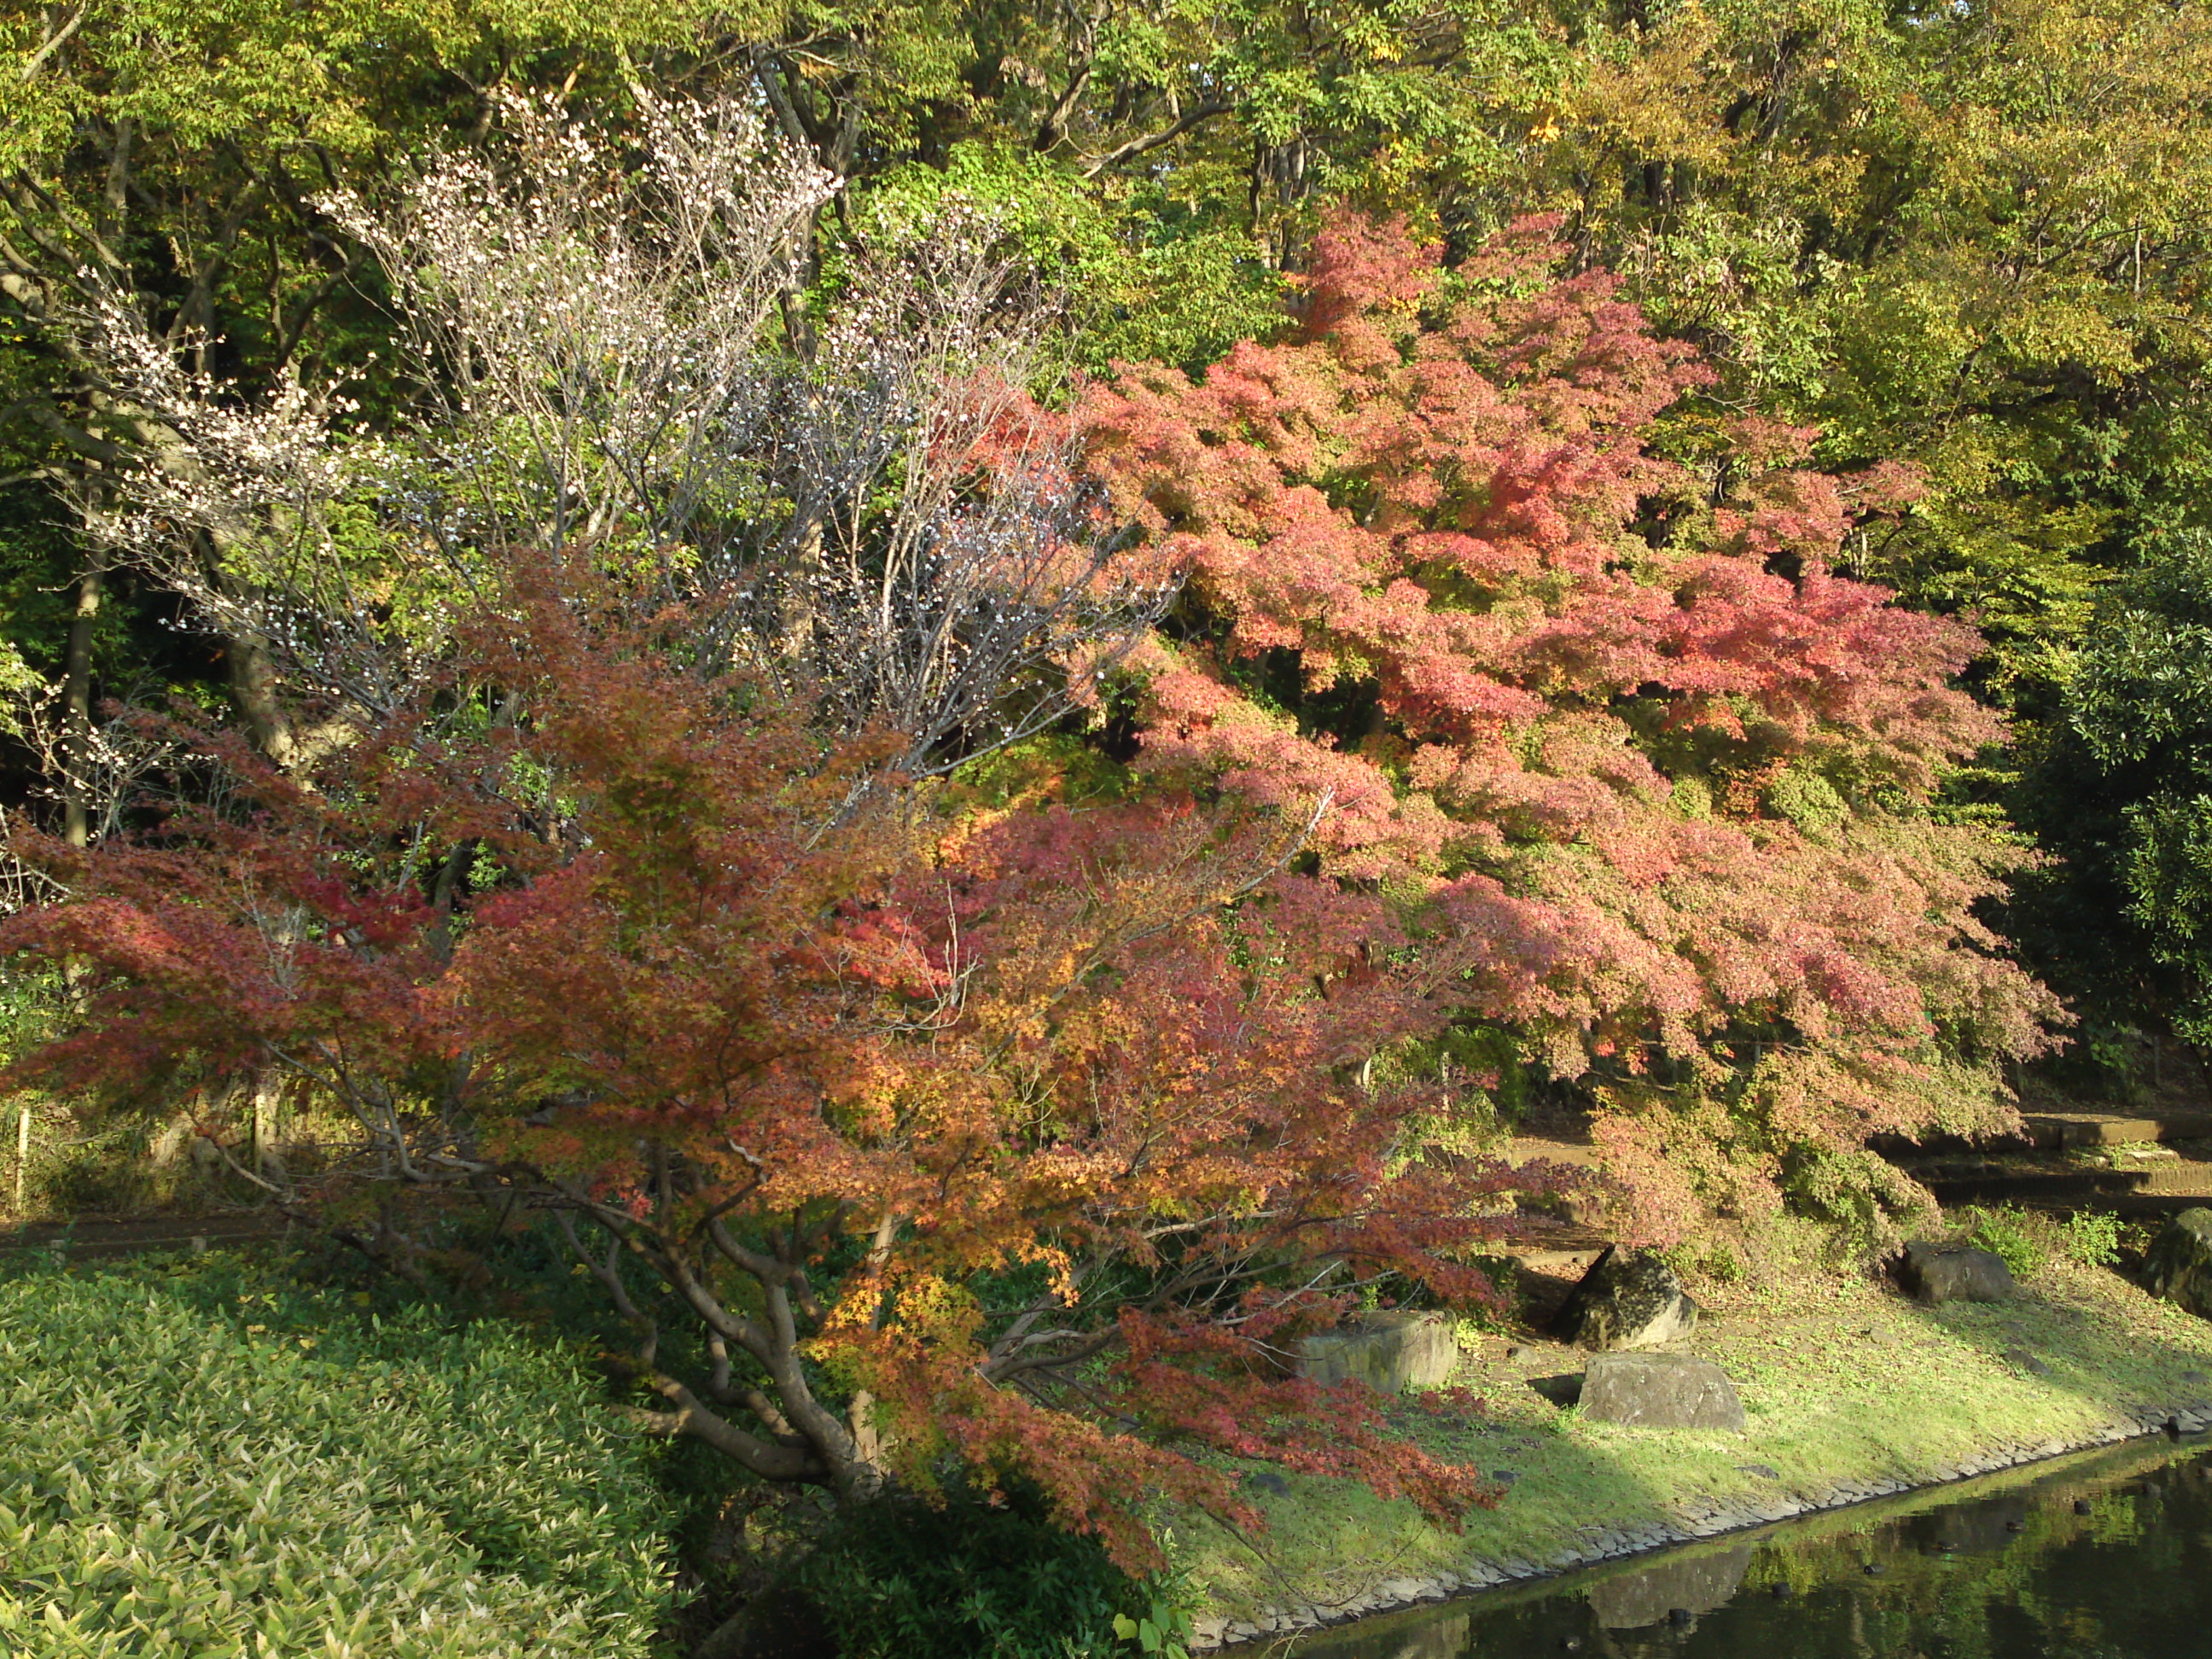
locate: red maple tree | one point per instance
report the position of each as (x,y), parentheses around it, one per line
(1603,725)
(1036,1138)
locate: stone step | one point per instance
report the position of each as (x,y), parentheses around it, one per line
(2062,1131)
(2177,1177)
(2180,1176)
(1559,1250)
(1556,1264)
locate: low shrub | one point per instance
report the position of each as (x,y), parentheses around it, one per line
(2011,1234)
(2091,1237)
(2026,1242)
(903,1579)
(206,1458)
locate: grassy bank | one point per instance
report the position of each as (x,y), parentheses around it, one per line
(2047,1505)
(1851,1390)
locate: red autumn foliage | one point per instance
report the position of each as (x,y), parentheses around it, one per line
(1035,1139)
(1611,733)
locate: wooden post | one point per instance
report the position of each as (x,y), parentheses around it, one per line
(22,1161)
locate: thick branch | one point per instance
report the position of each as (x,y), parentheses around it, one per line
(693,1417)
(1196,115)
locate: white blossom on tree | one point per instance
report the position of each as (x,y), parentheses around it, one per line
(618,355)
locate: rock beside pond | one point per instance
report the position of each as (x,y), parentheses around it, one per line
(1627,1302)
(1390,1352)
(1660,1391)
(1936,1271)
(2179,1265)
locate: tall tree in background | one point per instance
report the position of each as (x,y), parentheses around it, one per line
(170,159)
(1967,236)
(870,503)
(1963,237)
(2120,789)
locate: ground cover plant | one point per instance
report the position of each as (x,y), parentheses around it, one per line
(203,1456)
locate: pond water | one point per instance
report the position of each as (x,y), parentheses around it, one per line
(2103,1557)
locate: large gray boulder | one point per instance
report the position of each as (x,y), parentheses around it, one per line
(2179,1265)
(1627,1302)
(1935,1272)
(1660,1391)
(1391,1352)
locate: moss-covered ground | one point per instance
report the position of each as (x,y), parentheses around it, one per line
(1846,1384)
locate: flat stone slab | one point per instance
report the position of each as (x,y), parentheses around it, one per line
(1660,1391)
(2068,1129)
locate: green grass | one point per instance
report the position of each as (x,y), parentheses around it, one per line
(1842,1381)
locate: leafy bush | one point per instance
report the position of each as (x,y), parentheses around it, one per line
(974,1580)
(206,1459)
(2091,1237)
(1164,1630)
(2011,1234)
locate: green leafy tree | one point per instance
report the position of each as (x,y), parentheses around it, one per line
(2121,792)
(1964,236)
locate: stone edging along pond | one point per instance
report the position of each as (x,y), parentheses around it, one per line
(1215,1632)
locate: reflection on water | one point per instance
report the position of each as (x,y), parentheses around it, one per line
(1673,1591)
(2108,1557)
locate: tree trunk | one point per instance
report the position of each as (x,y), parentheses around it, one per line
(253,694)
(77,710)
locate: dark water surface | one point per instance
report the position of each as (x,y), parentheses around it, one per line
(2103,1557)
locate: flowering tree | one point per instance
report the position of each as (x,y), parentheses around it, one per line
(1614,731)
(1036,1140)
(611,349)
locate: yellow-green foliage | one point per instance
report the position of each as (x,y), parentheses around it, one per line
(198,1461)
